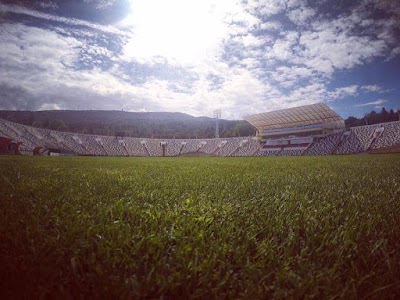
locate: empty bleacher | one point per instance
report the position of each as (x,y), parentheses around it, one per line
(356,140)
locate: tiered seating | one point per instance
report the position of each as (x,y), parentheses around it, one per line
(92,146)
(211,146)
(30,134)
(191,146)
(154,147)
(51,138)
(134,147)
(291,152)
(365,135)
(389,137)
(325,145)
(9,130)
(71,140)
(173,147)
(249,148)
(112,146)
(357,141)
(349,145)
(4,130)
(269,152)
(230,146)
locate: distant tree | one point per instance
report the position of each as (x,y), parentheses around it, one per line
(31,118)
(384,115)
(351,121)
(243,128)
(58,124)
(373,117)
(392,115)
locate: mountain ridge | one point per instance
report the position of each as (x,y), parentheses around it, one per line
(135,124)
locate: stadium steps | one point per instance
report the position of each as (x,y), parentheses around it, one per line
(104,148)
(374,139)
(200,146)
(65,146)
(126,150)
(305,151)
(258,150)
(371,140)
(337,144)
(181,148)
(215,153)
(236,150)
(147,150)
(87,152)
(342,140)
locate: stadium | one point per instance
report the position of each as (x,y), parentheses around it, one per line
(202,149)
(306,130)
(94,216)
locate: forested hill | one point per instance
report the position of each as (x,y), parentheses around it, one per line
(374,117)
(135,124)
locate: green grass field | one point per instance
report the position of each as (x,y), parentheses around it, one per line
(283,227)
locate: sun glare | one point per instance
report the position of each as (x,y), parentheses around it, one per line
(182,30)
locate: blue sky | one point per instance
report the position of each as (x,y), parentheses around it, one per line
(195,56)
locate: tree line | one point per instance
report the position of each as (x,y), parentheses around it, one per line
(374,117)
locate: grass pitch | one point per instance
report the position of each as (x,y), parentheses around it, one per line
(270,227)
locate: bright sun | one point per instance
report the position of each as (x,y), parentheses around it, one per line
(182,30)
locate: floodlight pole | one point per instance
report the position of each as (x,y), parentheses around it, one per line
(217,116)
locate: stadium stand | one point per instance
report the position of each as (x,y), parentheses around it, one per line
(230,146)
(153,147)
(310,137)
(135,147)
(303,121)
(247,147)
(73,142)
(211,146)
(93,146)
(357,140)
(390,136)
(325,145)
(173,147)
(292,151)
(305,130)
(270,152)
(192,146)
(113,146)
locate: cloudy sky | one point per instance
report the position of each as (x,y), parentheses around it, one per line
(194,56)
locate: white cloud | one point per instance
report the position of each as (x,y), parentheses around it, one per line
(289,76)
(283,48)
(395,52)
(15,9)
(260,64)
(377,102)
(301,15)
(47,5)
(184,32)
(101,4)
(372,88)
(342,92)
(270,26)
(330,48)
(49,106)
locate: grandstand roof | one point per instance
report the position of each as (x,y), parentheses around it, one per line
(292,117)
